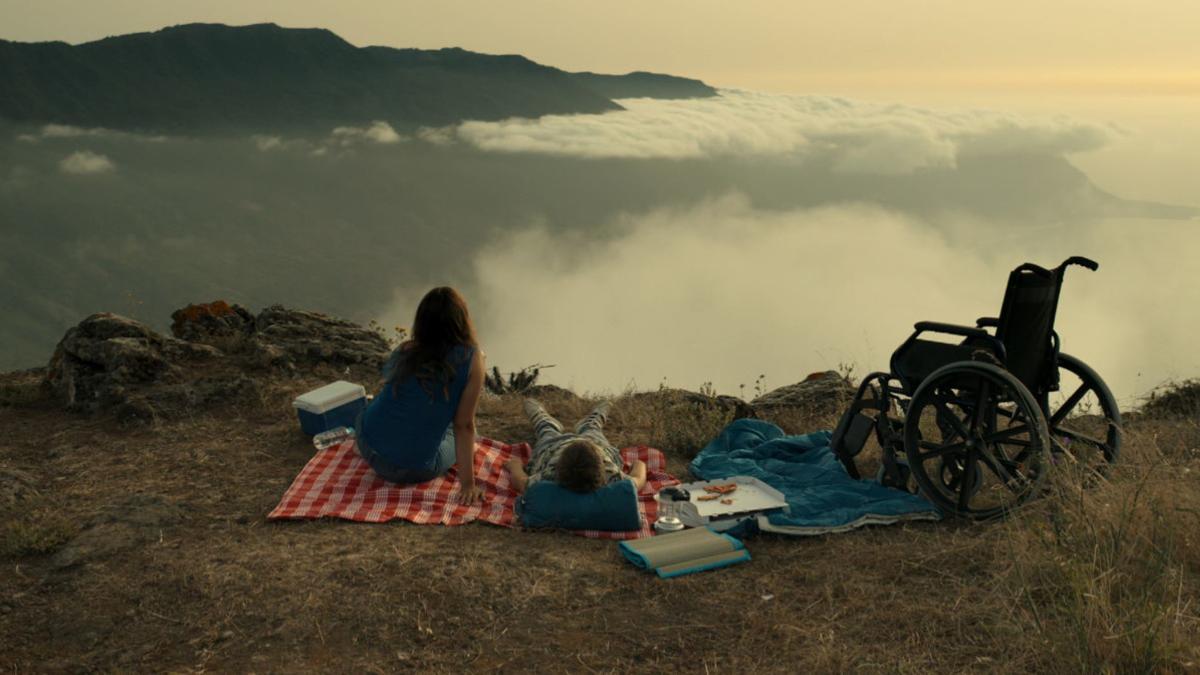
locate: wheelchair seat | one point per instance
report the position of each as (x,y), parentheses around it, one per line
(1024,341)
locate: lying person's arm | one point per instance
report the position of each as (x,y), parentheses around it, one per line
(637,474)
(518,478)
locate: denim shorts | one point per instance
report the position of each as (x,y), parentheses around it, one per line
(437,465)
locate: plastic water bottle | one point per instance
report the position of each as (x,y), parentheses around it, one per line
(328,439)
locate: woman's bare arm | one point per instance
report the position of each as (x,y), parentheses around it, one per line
(637,473)
(464,432)
(517,475)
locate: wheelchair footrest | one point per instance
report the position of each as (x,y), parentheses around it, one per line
(850,438)
(857,434)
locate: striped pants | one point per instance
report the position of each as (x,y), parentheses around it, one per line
(551,439)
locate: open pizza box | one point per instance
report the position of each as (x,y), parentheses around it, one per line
(750,499)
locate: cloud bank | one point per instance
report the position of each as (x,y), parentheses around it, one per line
(267,143)
(376,132)
(855,136)
(723,292)
(65,131)
(341,140)
(85,162)
(838,134)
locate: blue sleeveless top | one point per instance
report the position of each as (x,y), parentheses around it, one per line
(404,424)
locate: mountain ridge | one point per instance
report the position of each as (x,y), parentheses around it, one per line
(205,78)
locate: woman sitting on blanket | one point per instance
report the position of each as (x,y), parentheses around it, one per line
(583,461)
(423,420)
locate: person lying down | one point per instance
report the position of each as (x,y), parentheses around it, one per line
(583,461)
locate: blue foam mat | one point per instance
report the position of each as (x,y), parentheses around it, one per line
(639,561)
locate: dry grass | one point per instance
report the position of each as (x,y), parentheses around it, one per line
(1180,400)
(35,532)
(1111,570)
(1102,580)
(22,389)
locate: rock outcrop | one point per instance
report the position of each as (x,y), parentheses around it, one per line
(296,338)
(215,323)
(736,407)
(110,362)
(99,361)
(819,392)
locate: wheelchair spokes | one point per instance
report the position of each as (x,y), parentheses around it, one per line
(970,443)
(949,423)
(929,449)
(1085,424)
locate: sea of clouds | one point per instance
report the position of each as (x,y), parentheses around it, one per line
(856,136)
(852,136)
(721,290)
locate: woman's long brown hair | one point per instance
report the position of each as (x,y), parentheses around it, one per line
(442,322)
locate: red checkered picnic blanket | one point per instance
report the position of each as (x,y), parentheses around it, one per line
(337,483)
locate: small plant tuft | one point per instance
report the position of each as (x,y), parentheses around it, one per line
(516,382)
(1174,399)
(37,534)
(394,337)
(760,385)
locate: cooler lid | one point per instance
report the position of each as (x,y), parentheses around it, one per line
(330,396)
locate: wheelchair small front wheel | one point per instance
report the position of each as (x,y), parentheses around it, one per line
(900,478)
(976,440)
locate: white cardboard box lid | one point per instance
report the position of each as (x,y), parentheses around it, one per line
(752,497)
(332,395)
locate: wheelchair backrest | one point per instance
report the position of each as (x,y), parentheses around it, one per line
(1026,325)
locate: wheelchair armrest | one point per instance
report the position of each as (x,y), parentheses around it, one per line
(965,331)
(949,328)
(987,322)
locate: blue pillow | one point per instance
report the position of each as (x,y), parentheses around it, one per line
(613,507)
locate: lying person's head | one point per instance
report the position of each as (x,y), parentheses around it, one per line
(580,467)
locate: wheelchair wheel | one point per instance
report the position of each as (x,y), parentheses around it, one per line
(1085,424)
(975,439)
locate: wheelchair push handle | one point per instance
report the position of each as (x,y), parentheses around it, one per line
(1081,261)
(1073,260)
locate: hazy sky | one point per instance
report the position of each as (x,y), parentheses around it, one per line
(1148,46)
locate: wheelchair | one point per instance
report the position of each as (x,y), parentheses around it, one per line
(974,421)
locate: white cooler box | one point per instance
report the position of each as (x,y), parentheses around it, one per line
(334,405)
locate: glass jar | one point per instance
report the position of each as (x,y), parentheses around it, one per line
(668,513)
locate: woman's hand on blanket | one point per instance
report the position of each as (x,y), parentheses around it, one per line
(637,473)
(469,494)
(516,475)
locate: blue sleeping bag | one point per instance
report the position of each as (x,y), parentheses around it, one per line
(821,496)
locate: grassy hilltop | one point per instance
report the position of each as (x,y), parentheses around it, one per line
(144,545)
